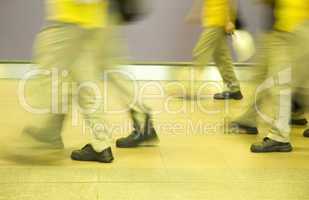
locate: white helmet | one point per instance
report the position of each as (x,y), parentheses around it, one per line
(243,44)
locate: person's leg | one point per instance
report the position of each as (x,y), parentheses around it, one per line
(224,62)
(122,87)
(202,55)
(107,53)
(300,71)
(279,80)
(55,50)
(47,134)
(88,99)
(247,121)
(281,74)
(298,117)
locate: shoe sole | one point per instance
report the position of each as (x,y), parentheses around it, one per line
(229,98)
(76,158)
(285,149)
(147,143)
(244,131)
(247,132)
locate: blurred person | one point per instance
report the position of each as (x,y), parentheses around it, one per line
(300,73)
(275,68)
(217,18)
(79,30)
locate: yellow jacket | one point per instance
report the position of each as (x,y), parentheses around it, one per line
(290,13)
(86,13)
(216,12)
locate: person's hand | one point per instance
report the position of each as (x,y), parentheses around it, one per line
(193,18)
(230,27)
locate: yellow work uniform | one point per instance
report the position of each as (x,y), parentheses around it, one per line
(277,64)
(79,43)
(86,13)
(213,44)
(290,14)
(215,13)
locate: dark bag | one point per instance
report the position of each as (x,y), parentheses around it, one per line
(239,23)
(129,10)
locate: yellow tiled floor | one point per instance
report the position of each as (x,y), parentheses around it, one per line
(189,163)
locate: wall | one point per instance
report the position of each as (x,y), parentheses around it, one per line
(162,36)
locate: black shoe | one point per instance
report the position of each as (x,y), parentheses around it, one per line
(240,128)
(228,95)
(299,122)
(87,153)
(306,133)
(269,145)
(138,138)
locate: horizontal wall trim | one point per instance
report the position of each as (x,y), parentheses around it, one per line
(145,63)
(139,72)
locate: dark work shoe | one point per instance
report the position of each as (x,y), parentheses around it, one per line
(136,139)
(87,153)
(237,127)
(228,95)
(147,137)
(306,133)
(269,145)
(299,122)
